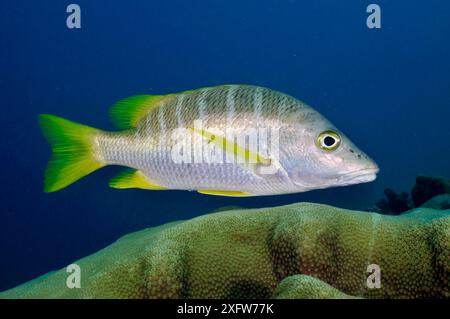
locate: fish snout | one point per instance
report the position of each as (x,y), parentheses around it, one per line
(372,167)
(360,173)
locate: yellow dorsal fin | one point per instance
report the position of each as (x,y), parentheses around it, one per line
(126,113)
(224,193)
(132,178)
(234,148)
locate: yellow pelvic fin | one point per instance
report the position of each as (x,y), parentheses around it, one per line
(234,148)
(128,112)
(132,178)
(224,193)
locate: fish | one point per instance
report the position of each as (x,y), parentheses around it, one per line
(226,140)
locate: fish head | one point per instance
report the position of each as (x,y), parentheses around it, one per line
(321,156)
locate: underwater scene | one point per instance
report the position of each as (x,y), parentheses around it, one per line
(220,149)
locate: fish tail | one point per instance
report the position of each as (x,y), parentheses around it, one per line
(74,153)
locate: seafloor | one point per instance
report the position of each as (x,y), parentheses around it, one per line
(297,251)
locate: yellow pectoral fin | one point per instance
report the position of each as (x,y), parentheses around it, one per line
(224,193)
(132,178)
(234,148)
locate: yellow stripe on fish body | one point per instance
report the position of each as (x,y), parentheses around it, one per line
(233,148)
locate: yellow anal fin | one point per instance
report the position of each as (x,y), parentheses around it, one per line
(224,193)
(234,148)
(132,178)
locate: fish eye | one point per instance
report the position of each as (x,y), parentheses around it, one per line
(328,140)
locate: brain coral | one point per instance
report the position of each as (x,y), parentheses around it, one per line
(296,251)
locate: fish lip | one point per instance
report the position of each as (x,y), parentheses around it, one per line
(362,175)
(371,170)
(364,171)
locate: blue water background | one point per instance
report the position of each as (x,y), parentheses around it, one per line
(387,89)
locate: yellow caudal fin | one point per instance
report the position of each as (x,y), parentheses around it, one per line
(73,156)
(132,178)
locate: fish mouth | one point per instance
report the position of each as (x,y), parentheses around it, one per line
(364,175)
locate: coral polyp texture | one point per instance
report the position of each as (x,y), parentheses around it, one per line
(297,251)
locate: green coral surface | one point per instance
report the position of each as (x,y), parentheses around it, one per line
(297,251)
